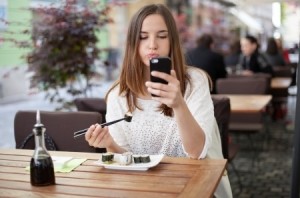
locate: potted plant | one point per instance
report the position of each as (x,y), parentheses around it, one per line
(64,52)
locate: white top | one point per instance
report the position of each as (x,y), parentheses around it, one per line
(150,132)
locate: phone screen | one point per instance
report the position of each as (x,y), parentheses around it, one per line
(161,64)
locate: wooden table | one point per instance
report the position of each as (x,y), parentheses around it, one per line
(280,83)
(172,177)
(276,82)
(247,103)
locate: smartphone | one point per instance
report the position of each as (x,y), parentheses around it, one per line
(161,64)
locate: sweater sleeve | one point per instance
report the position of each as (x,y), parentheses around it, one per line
(116,110)
(200,104)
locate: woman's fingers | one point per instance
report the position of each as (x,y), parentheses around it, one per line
(92,134)
(156,86)
(100,139)
(173,73)
(162,75)
(171,79)
(89,132)
(169,94)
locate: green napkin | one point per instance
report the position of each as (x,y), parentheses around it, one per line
(66,167)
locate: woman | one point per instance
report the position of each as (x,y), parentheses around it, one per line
(273,54)
(251,60)
(178,122)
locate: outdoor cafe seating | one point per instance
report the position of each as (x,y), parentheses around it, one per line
(247,122)
(60,127)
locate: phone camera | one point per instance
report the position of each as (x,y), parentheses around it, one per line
(154,60)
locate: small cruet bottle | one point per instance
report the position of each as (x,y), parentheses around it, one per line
(41,165)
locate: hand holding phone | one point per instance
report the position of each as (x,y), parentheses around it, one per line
(161,64)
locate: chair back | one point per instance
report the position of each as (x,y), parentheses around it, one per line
(282,71)
(91,105)
(257,85)
(248,85)
(60,127)
(222,115)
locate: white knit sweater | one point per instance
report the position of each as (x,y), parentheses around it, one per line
(150,132)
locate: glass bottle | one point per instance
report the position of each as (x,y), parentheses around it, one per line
(41,165)
(238,69)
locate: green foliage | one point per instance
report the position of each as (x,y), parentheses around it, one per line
(65,48)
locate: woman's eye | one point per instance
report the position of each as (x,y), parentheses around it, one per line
(162,36)
(143,37)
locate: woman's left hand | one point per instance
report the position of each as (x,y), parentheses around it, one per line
(169,94)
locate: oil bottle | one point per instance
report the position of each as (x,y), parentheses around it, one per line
(41,164)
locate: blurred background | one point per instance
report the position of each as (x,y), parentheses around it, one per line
(227,21)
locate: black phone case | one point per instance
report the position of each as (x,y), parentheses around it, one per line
(161,64)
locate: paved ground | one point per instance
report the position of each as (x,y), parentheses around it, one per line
(270,176)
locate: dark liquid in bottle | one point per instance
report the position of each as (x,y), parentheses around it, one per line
(42,171)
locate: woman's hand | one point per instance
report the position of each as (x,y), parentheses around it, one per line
(99,137)
(169,94)
(247,73)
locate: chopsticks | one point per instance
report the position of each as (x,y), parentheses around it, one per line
(127,118)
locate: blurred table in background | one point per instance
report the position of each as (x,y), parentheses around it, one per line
(248,103)
(280,82)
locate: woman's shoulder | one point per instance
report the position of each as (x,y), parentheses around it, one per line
(198,78)
(197,74)
(114,93)
(115,100)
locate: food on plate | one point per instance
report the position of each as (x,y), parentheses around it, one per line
(145,159)
(141,159)
(125,158)
(107,158)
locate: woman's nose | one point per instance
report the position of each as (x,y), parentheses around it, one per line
(152,44)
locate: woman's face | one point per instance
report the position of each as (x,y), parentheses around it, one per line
(247,47)
(154,38)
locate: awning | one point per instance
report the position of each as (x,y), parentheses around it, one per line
(247,19)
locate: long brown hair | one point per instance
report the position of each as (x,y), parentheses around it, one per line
(133,70)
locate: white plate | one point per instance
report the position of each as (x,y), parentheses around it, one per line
(154,160)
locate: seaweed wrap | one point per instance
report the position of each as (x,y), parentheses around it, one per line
(107,157)
(145,159)
(137,159)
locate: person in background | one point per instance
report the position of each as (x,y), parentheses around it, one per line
(180,120)
(251,60)
(205,58)
(232,59)
(273,55)
(283,51)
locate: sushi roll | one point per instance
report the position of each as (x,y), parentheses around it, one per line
(107,158)
(125,158)
(145,159)
(137,159)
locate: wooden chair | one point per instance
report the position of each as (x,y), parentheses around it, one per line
(91,105)
(283,71)
(258,84)
(60,127)
(249,123)
(222,114)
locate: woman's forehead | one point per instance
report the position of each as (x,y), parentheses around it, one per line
(154,22)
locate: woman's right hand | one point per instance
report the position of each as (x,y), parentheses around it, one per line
(99,137)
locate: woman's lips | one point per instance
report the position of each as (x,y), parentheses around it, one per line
(150,56)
